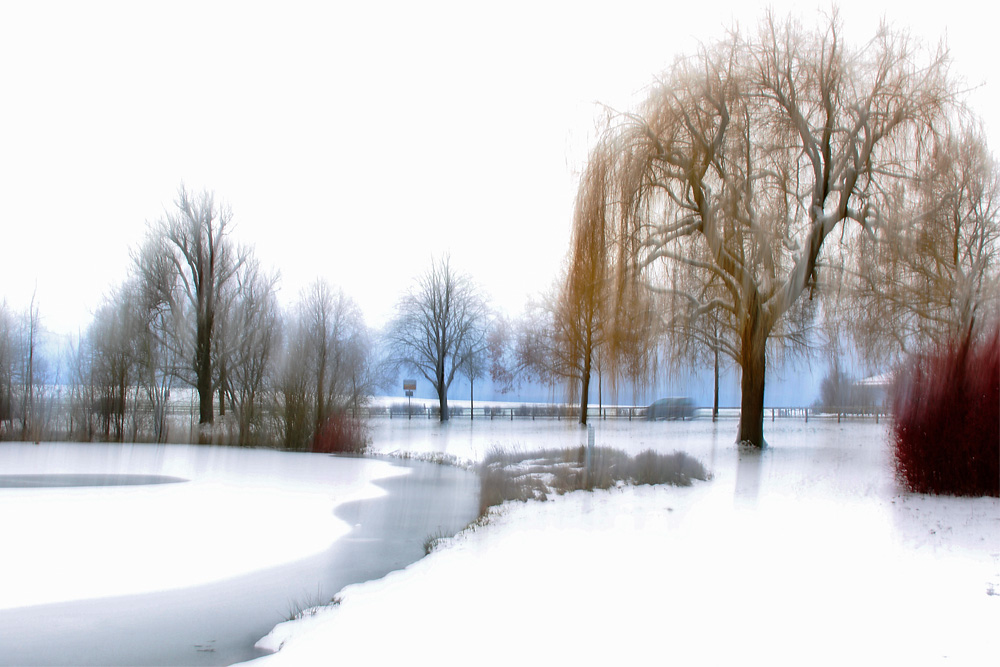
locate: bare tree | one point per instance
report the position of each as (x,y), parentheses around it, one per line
(562,337)
(295,403)
(568,336)
(501,355)
(159,362)
(251,333)
(120,372)
(190,261)
(475,365)
(722,193)
(438,324)
(327,365)
(8,365)
(518,350)
(931,270)
(336,338)
(112,367)
(82,393)
(167,337)
(30,371)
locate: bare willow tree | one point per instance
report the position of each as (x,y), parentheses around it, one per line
(723,191)
(186,264)
(438,324)
(580,312)
(931,270)
(561,336)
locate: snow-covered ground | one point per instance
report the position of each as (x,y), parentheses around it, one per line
(62,544)
(805,554)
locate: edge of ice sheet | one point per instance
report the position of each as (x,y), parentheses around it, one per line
(153,538)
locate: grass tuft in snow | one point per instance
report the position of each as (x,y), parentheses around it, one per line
(433,541)
(309,606)
(534,475)
(439,458)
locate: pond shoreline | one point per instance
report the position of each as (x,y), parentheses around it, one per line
(218,623)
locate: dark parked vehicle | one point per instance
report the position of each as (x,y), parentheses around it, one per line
(671,408)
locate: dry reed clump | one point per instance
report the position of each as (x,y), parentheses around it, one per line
(341,434)
(534,475)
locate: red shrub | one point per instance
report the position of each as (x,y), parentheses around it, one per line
(341,434)
(947,430)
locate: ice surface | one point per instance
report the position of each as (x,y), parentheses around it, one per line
(242,511)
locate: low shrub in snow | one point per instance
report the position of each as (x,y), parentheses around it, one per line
(947,430)
(505,475)
(341,434)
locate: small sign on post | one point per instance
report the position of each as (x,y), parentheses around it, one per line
(409,386)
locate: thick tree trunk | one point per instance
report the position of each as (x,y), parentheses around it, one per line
(203,370)
(753,362)
(585,390)
(442,397)
(205,399)
(443,405)
(320,400)
(472,399)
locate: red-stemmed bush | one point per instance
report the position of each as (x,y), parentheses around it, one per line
(947,409)
(341,434)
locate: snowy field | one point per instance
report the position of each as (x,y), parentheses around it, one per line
(806,554)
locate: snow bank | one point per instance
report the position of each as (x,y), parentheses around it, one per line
(805,554)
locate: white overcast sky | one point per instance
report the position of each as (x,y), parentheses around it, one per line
(353,140)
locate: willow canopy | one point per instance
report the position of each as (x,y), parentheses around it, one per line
(748,165)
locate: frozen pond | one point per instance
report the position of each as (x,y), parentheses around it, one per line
(111,557)
(849,454)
